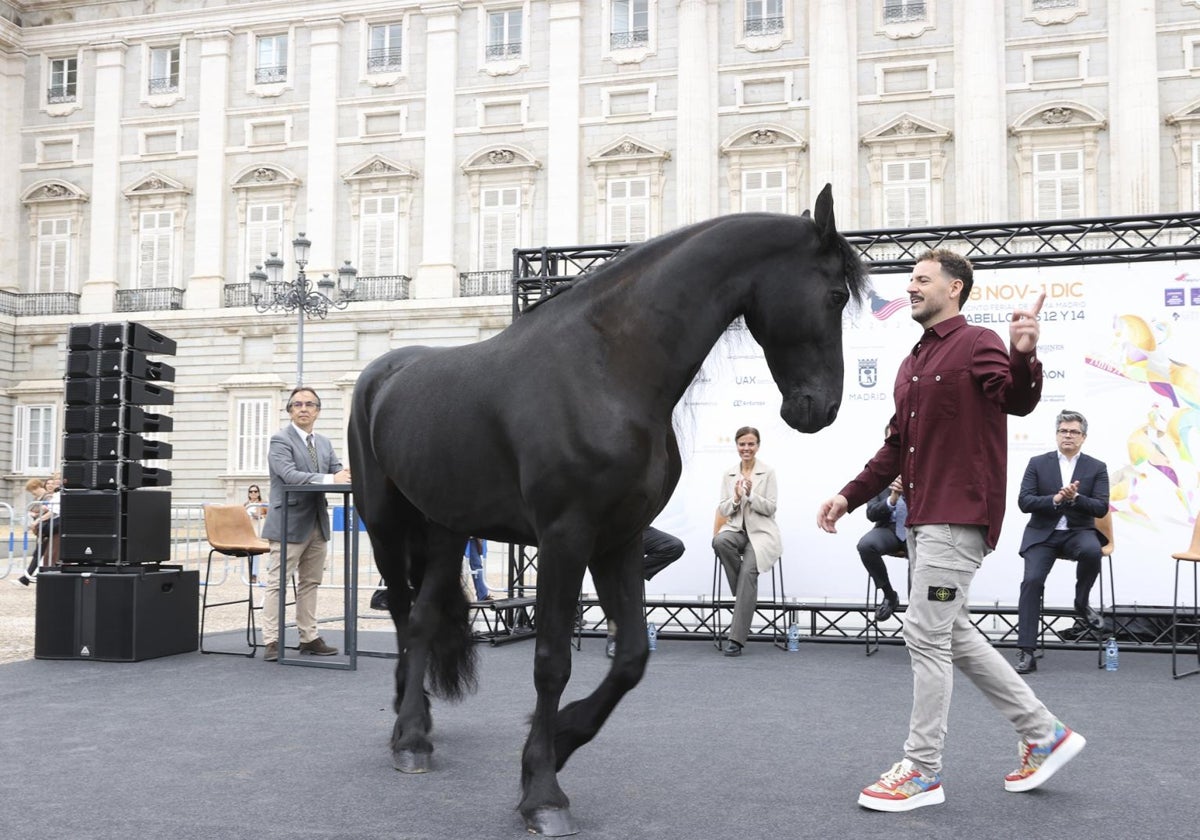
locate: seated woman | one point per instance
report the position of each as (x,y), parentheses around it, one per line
(748,542)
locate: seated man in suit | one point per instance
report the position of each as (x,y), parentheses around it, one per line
(661,549)
(1064,492)
(888,511)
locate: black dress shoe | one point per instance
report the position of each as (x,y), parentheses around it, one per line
(1026,663)
(733,648)
(1093,619)
(888,607)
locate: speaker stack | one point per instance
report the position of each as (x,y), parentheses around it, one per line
(112,598)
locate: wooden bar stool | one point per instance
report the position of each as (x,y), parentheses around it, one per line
(1186,621)
(230,532)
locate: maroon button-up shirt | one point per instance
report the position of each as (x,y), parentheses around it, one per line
(950,431)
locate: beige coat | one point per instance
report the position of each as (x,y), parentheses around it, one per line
(756,511)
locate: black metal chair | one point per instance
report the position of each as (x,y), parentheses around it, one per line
(871,632)
(778,604)
(1103,525)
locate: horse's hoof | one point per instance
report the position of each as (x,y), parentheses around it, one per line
(408,761)
(551,822)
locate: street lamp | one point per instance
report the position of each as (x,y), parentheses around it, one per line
(271,294)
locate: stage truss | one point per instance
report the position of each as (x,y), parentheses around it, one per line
(538,272)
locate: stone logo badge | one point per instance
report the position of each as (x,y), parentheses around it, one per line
(942,593)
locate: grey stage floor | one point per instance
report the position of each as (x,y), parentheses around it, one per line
(771,745)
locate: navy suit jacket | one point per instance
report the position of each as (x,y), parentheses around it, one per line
(1043,479)
(289,464)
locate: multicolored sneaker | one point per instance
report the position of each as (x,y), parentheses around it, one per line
(903,788)
(1042,759)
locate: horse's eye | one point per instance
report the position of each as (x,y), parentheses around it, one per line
(839,297)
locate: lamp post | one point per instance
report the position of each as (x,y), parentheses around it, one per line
(271,293)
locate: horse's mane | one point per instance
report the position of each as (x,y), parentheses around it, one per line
(854,269)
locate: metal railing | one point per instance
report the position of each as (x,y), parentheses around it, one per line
(58,95)
(39,303)
(148,300)
(496,52)
(270,75)
(764,26)
(482,283)
(382,287)
(895,12)
(383,60)
(164,84)
(629,38)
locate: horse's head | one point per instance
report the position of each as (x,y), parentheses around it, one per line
(795,314)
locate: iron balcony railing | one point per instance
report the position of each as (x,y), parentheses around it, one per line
(903,12)
(58,95)
(764,26)
(496,52)
(39,303)
(382,287)
(483,283)
(148,300)
(629,38)
(270,75)
(164,84)
(383,60)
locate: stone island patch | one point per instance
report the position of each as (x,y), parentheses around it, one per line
(942,593)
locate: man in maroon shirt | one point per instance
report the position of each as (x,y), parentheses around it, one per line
(950,442)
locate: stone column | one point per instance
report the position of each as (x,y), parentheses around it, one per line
(103,273)
(981,160)
(320,185)
(437,275)
(12,87)
(206,283)
(563,157)
(695,152)
(833,113)
(1134,143)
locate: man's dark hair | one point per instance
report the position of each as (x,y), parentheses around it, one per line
(297,390)
(957,266)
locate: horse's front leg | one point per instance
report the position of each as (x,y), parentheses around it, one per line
(618,579)
(544,805)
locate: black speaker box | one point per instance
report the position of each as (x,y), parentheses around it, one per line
(113,418)
(114,390)
(113,475)
(115,526)
(113,447)
(116,616)
(120,336)
(97,364)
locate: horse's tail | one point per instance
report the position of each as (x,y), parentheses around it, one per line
(452,656)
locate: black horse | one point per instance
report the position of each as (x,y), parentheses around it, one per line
(557,433)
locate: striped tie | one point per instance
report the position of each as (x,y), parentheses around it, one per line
(312,452)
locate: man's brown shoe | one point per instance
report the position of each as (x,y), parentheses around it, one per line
(271,654)
(317,647)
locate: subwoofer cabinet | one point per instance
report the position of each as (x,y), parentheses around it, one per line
(116,614)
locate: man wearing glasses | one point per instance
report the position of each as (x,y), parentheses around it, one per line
(299,456)
(1064,492)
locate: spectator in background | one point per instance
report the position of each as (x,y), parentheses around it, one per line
(256,506)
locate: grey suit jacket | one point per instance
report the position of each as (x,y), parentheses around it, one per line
(289,463)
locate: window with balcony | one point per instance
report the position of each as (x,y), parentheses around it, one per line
(630,24)
(164,70)
(34,439)
(53,255)
(385,49)
(155,249)
(628,209)
(764,17)
(264,232)
(764,191)
(906,193)
(903,11)
(499,227)
(1058,184)
(379,225)
(270,66)
(64,81)
(504,35)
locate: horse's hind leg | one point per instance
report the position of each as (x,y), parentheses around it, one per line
(562,558)
(618,579)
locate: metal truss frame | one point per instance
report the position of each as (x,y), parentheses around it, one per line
(537,272)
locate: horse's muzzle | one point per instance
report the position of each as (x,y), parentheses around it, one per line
(804,414)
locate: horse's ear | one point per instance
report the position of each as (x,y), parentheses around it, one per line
(824,215)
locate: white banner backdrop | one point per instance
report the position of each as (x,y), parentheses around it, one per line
(1119,343)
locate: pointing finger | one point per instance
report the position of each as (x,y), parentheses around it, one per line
(1037,306)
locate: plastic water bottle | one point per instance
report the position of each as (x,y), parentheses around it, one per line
(652,635)
(793,638)
(1111,654)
